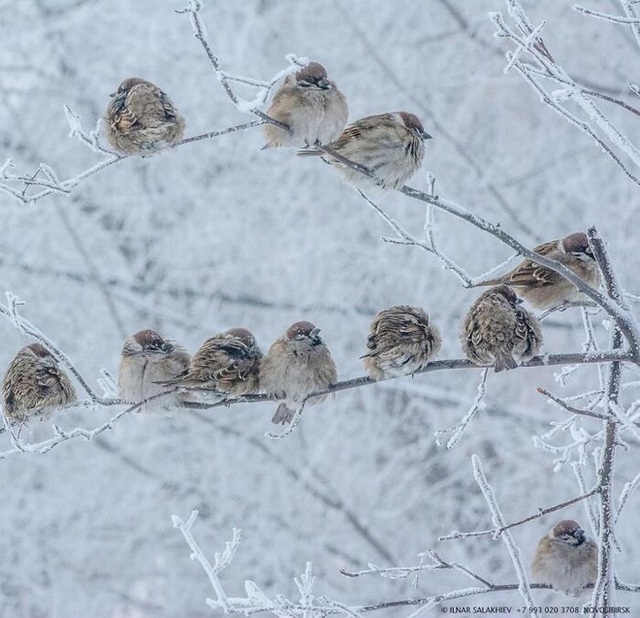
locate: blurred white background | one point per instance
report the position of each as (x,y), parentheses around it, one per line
(219,234)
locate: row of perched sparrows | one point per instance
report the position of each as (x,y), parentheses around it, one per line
(496,332)
(141,119)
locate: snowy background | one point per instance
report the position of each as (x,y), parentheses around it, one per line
(218,234)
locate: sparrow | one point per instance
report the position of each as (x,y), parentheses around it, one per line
(228,363)
(544,288)
(498,332)
(401,341)
(311,106)
(391,146)
(296,365)
(141,119)
(35,385)
(566,560)
(146,360)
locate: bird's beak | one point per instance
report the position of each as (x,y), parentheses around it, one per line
(519,301)
(314,333)
(324,84)
(425,135)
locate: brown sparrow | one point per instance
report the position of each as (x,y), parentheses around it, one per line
(296,365)
(35,385)
(545,288)
(147,359)
(141,119)
(391,146)
(311,106)
(228,363)
(401,342)
(498,332)
(566,560)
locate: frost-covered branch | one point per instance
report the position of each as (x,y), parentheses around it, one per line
(546,360)
(630,18)
(616,19)
(604,590)
(476,406)
(626,493)
(18,185)
(428,245)
(11,312)
(243,105)
(569,408)
(21,446)
(256,600)
(221,560)
(528,43)
(496,532)
(499,521)
(437,564)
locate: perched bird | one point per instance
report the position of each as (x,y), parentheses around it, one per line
(566,560)
(147,359)
(296,365)
(35,385)
(141,119)
(228,363)
(498,332)
(545,288)
(401,341)
(311,106)
(391,146)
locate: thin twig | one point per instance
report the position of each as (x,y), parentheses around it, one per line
(495,532)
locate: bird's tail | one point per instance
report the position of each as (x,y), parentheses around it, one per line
(283,416)
(504,361)
(306,152)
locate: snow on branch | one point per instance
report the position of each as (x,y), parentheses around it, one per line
(630,17)
(477,405)
(428,245)
(437,564)
(245,106)
(46,180)
(256,600)
(497,531)
(540,68)
(60,435)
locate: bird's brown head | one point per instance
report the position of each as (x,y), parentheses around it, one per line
(39,350)
(146,341)
(506,292)
(313,75)
(303,330)
(577,244)
(412,122)
(568,531)
(127,85)
(244,335)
